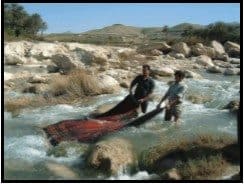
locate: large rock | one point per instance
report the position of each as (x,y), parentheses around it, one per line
(140,57)
(232,71)
(182,48)
(15,48)
(126,53)
(165,48)
(204,60)
(214,69)
(61,171)
(112,155)
(43,50)
(177,55)
(200,49)
(168,57)
(191,74)
(37,79)
(13,60)
(223,57)
(234,60)
(91,57)
(52,68)
(63,62)
(222,64)
(120,74)
(218,47)
(233,49)
(163,71)
(147,48)
(125,84)
(156,52)
(233,105)
(8,76)
(108,84)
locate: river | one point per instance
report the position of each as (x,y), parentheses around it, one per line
(25,146)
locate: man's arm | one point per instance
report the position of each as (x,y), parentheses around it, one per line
(163,98)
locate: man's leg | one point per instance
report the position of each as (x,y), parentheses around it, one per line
(176,114)
(168,115)
(144,106)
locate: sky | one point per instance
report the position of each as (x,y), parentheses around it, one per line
(81,17)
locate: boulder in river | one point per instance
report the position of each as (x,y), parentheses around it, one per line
(112,155)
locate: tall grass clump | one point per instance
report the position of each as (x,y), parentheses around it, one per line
(78,83)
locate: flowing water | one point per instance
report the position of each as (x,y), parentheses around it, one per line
(26,148)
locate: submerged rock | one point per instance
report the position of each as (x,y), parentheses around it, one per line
(190,74)
(215,69)
(172,174)
(232,71)
(61,170)
(232,105)
(104,108)
(198,99)
(64,149)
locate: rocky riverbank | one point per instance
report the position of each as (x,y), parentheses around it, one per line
(44,68)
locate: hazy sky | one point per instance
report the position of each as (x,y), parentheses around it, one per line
(80,17)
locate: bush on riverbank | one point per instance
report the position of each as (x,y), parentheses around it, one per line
(76,84)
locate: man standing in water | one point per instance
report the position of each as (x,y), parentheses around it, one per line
(144,88)
(174,95)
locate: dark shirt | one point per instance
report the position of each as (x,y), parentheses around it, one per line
(144,86)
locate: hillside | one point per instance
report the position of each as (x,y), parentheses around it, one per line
(122,35)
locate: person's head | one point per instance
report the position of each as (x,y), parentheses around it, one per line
(179,75)
(145,70)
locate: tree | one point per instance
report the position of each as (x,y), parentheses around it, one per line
(43,27)
(18,22)
(219,31)
(165,30)
(14,18)
(34,24)
(188,31)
